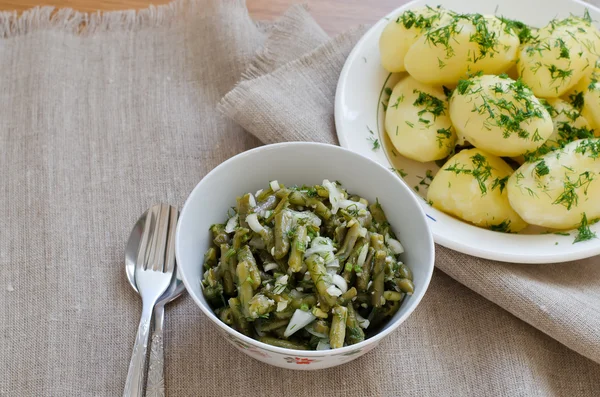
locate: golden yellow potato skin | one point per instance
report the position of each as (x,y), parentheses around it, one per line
(471,186)
(401,33)
(558,189)
(451,51)
(563,54)
(499,115)
(417,121)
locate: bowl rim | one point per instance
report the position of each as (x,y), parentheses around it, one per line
(308,353)
(586,250)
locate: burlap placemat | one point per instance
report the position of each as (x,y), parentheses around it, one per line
(99,122)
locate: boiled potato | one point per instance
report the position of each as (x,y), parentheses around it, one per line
(569,125)
(467,44)
(564,52)
(499,115)
(471,186)
(558,189)
(401,33)
(417,121)
(591,105)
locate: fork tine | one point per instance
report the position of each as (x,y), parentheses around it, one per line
(140,263)
(170,256)
(160,242)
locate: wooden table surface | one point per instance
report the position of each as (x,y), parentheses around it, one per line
(335,16)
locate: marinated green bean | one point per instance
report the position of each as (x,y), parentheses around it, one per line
(354,334)
(349,242)
(347,296)
(307,300)
(377,241)
(241,237)
(318,273)
(243,209)
(393,296)
(298,249)
(283,204)
(283,223)
(364,277)
(244,285)
(378,279)
(226,268)
(210,258)
(317,312)
(286,344)
(226,316)
(219,234)
(239,320)
(267,279)
(244,254)
(337,332)
(270,325)
(405,285)
(377,213)
(404,271)
(350,267)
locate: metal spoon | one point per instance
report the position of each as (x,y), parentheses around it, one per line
(156,384)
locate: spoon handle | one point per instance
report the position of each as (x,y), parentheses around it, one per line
(156,373)
(134,385)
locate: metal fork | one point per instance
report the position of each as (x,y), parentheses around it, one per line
(154,269)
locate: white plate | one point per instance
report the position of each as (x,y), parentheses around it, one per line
(359,120)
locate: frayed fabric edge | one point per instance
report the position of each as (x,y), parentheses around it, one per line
(80,23)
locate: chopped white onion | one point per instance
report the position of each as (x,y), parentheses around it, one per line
(299,320)
(362,322)
(362,232)
(258,192)
(319,245)
(232,224)
(345,204)
(340,283)
(281,305)
(295,294)
(274,185)
(323,345)
(311,330)
(334,264)
(307,216)
(252,200)
(271,266)
(334,291)
(335,195)
(369,285)
(395,245)
(254,224)
(362,255)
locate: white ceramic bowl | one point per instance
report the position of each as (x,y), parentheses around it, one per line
(358,109)
(297,164)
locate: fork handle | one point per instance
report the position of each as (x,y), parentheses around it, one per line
(155,386)
(134,385)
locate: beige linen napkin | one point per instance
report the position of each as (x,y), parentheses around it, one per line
(99,122)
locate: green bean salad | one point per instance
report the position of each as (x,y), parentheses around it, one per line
(309,268)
